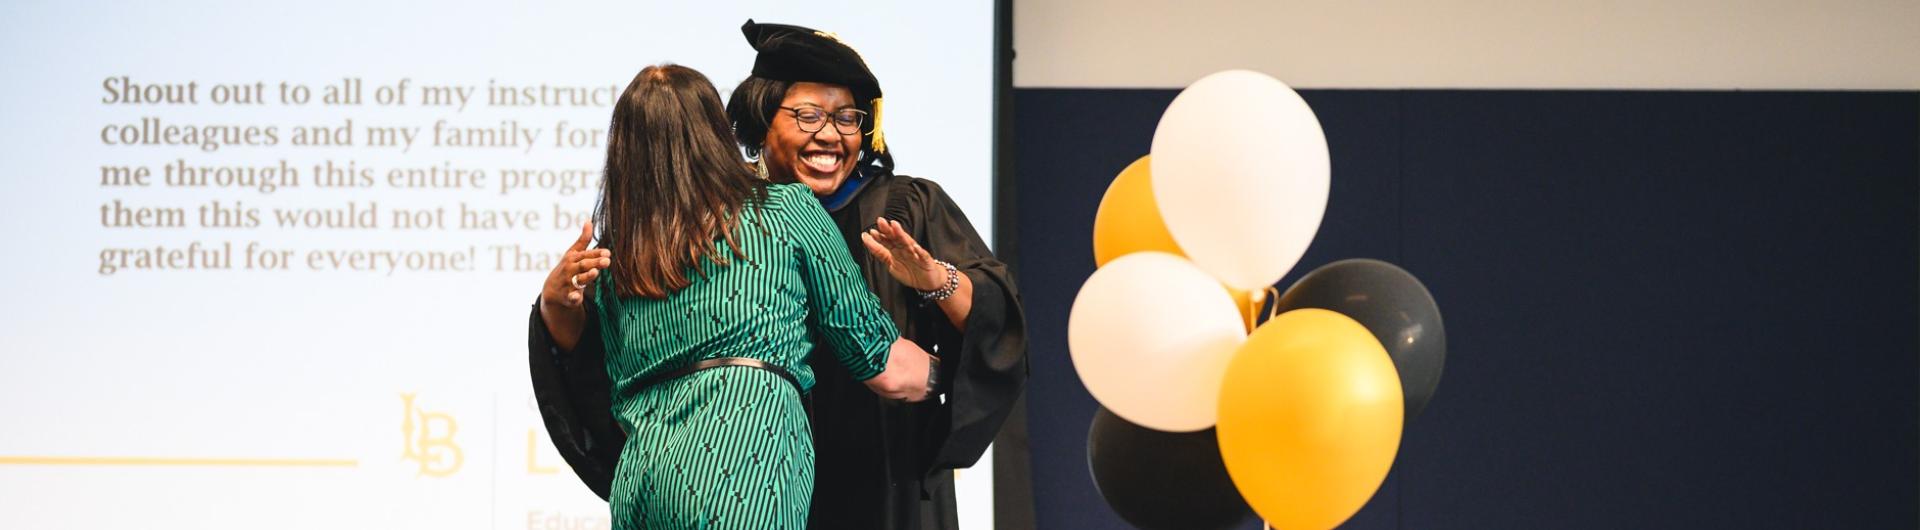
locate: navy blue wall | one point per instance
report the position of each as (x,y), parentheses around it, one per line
(1664,309)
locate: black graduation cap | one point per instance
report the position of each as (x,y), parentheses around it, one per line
(797,54)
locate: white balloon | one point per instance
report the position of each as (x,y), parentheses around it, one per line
(1151,336)
(1240,172)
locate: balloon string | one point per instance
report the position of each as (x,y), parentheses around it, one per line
(1256,301)
(1250,315)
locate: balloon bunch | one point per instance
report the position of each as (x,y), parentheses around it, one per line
(1297,419)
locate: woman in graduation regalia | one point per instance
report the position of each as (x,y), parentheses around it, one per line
(810,113)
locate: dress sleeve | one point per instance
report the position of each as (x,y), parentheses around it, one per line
(985,366)
(840,308)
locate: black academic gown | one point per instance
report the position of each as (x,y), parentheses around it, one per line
(878,464)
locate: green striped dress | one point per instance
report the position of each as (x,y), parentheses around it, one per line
(729,447)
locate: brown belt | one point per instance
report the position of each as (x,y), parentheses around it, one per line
(719,362)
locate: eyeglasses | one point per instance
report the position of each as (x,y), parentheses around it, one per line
(812,119)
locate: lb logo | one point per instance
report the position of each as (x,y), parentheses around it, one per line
(429,440)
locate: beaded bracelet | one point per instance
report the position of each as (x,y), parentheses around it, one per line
(945,292)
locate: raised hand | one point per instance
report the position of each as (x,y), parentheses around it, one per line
(563,297)
(906,261)
(568,282)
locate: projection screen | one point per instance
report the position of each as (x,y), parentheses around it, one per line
(270,262)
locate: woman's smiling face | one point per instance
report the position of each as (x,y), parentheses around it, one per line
(822,159)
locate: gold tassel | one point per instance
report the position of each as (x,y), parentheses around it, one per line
(879,139)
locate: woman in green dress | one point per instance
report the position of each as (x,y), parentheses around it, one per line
(711,288)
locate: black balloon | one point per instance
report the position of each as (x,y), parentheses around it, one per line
(1162,480)
(1393,305)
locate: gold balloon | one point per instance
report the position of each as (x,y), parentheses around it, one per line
(1129,220)
(1310,417)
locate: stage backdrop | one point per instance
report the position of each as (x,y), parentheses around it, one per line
(1664,309)
(270,262)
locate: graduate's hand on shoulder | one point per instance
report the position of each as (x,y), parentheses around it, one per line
(906,260)
(568,283)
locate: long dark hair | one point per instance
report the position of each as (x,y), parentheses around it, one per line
(751,108)
(675,184)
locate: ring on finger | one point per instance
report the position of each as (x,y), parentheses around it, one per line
(575,280)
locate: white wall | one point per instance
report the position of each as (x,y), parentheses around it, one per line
(1684,44)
